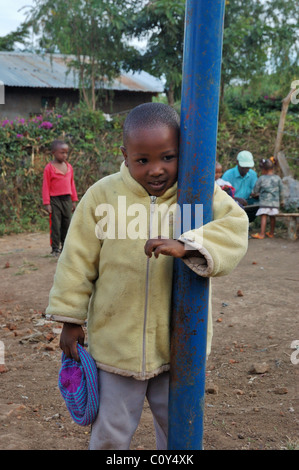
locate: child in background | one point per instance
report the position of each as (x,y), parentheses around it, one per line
(59,194)
(224,185)
(269,189)
(123,292)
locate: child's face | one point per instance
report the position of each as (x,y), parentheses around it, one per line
(151,155)
(61,153)
(218,172)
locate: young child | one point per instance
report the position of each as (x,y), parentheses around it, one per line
(269,189)
(112,280)
(59,194)
(225,185)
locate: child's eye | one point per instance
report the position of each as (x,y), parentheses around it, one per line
(142,161)
(167,158)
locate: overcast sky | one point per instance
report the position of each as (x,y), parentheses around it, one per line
(10,16)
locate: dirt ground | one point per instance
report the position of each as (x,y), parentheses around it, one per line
(255,319)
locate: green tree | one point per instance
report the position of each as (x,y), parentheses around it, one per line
(21,35)
(161,24)
(258,37)
(244,52)
(91,31)
(283,17)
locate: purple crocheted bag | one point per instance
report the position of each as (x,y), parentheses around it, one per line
(78,384)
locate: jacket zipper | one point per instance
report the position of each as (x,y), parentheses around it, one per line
(153,200)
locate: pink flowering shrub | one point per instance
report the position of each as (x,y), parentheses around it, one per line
(46,125)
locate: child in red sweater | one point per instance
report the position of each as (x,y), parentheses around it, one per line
(59,194)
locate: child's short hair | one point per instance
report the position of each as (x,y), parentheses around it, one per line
(151,115)
(56,144)
(266,164)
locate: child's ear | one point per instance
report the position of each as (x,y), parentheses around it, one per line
(124,152)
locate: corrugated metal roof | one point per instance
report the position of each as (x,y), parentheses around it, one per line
(51,71)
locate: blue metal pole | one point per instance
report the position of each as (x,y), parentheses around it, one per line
(199,119)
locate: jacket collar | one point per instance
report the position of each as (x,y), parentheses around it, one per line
(139,190)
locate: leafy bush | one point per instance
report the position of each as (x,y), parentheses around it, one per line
(257,132)
(94,152)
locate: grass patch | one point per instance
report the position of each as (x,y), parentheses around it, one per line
(26,268)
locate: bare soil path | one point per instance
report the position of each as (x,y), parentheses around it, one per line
(255,323)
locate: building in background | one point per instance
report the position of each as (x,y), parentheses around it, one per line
(34,82)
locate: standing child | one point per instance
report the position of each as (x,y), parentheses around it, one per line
(269,189)
(108,276)
(59,194)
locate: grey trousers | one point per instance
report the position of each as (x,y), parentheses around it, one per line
(121,404)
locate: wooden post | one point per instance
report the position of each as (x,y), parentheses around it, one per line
(281,160)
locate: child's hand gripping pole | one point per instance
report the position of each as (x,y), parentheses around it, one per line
(164,246)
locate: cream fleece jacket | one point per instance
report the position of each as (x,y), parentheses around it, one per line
(124,296)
